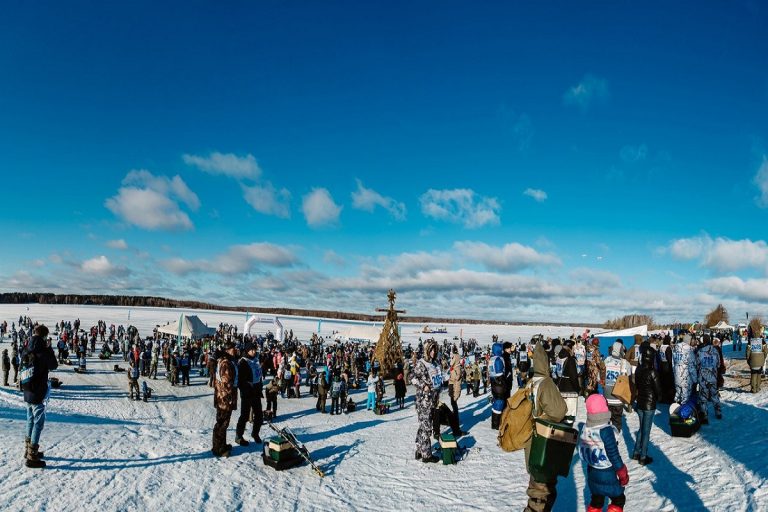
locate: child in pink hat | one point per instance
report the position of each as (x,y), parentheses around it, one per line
(606,473)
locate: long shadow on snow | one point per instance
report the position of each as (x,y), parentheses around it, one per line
(115,464)
(344,429)
(19,414)
(728,434)
(339,453)
(478,412)
(671,483)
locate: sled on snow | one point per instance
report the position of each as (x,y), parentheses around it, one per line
(284,451)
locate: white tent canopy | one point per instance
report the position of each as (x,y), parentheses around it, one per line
(722,326)
(641,330)
(359,334)
(191,327)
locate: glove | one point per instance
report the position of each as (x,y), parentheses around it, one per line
(623,476)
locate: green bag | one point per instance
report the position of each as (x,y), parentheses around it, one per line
(552,450)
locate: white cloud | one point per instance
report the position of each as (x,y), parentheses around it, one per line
(590,90)
(238,259)
(367,199)
(152,202)
(761,180)
(268,200)
(537,194)
(320,209)
(460,206)
(511,257)
(406,264)
(600,278)
(633,154)
(331,257)
(101,266)
(227,164)
(722,254)
(117,244)
(749,289)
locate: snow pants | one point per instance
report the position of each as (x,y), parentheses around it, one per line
(683,389)
(541,496)
(754,379)
(248,403)
(219,443)
(708,393)
(371,400)
(425,409)
(617,413)
(321,398)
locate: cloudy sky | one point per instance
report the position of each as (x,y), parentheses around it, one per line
(538,161)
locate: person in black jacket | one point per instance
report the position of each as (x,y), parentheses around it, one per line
(37,360)
(249,382)
(568,379)
(648,387)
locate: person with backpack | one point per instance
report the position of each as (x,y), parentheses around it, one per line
(133,380)
(666,376)
(271,392)
(37,359)
(595,368)
(338,389)
(249,383)
(224,399)
(615,367)
(427,379)
(498,377)
(607,474)
(548,405)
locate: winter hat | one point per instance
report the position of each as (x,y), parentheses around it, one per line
(617,350)
(597,410)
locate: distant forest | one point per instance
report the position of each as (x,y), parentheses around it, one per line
(162,302)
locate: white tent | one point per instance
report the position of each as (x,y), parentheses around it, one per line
(191,327)
(641,330)
(365,334)
(722,326)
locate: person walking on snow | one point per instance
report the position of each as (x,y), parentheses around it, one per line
(427,379)
(607,474)
(648,385)
(373,379)
(548,405)
(756,356)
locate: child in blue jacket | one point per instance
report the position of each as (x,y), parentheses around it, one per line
(606,472)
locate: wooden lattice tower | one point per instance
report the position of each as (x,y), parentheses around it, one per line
(389,349)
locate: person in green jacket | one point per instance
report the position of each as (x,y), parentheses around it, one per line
(548,405)
(756,352)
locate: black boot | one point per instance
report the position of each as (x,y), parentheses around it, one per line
(33,457)
(495,420)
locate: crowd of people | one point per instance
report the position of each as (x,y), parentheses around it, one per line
(685,371)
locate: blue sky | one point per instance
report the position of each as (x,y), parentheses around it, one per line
(521,161)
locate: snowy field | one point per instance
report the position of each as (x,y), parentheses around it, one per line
(108,453)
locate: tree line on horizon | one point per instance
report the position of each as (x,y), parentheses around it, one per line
(162,302)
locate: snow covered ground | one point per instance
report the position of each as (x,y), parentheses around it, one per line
(107,453)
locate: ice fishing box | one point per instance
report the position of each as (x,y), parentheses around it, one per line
(448,447)
(683,428)
(282,463)
(551,450)
(281,450)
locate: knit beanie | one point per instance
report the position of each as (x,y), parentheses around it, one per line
(597,411)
